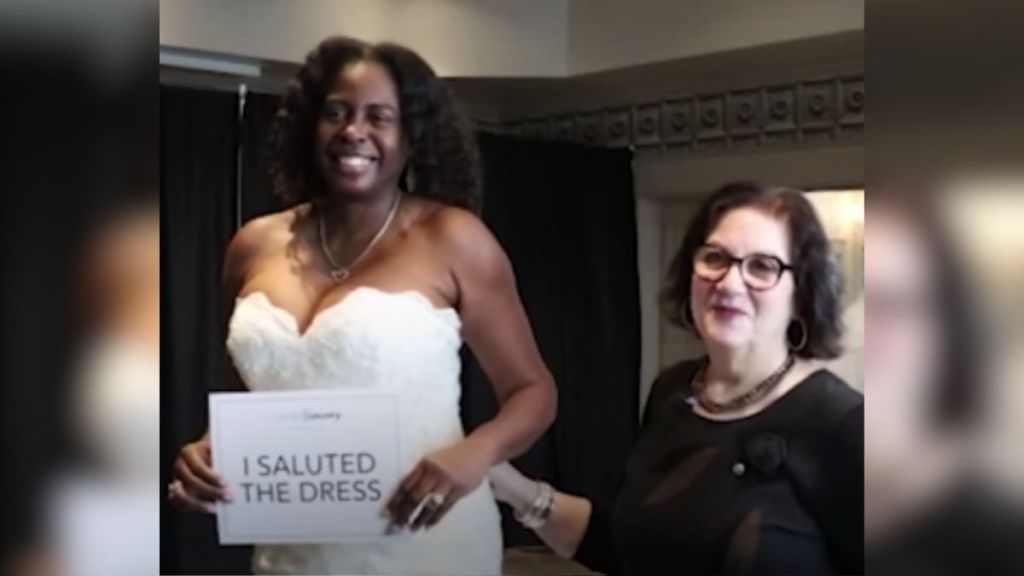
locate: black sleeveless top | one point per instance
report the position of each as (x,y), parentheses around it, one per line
(779,492)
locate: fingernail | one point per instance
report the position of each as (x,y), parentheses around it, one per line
(228,497)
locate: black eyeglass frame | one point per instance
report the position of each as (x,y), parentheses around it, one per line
(733,260)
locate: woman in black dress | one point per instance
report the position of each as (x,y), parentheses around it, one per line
(749,460)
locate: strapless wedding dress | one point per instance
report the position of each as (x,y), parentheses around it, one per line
(389,341)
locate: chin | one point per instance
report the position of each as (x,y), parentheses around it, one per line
(726,336)
(353,189)
(724,339)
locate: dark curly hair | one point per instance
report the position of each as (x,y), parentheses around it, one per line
(443,157)
(817,279)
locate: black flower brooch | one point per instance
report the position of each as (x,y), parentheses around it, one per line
(765,452)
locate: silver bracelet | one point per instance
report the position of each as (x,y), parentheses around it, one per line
(540,510)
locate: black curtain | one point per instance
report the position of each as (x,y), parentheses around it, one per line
(199,133)
(257,196)
(563,212)
(565,215)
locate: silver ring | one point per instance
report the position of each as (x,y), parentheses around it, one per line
(434,500)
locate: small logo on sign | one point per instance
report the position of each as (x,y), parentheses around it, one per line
(308,415)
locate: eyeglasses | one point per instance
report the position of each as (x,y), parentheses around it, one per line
(759,271)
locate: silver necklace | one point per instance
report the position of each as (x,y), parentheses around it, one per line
(339,273)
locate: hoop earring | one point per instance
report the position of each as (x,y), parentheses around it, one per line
(803,333)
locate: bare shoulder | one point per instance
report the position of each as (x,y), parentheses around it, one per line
(464,238)
(459,229)
(474,256)
(256,237)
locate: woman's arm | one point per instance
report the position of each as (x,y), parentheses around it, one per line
(196,485)
(575,528)
(498,332)
(495,327)
(567,523)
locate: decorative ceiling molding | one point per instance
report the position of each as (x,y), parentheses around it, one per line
(806,112)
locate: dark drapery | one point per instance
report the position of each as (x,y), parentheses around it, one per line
(565,215)
(257,197)
(198,156)
(563,212)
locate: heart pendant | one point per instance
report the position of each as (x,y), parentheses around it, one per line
(339,275)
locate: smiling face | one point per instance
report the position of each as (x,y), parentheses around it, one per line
(360,149)
(728,312)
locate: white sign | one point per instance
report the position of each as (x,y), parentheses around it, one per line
(304,467)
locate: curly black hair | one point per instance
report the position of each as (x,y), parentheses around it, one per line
(818,282)
(443,157)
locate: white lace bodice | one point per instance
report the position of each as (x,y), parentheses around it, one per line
(390,341)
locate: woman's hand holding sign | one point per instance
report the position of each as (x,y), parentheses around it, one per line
(196,486)
(437,483)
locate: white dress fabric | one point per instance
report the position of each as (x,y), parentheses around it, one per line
(398,342)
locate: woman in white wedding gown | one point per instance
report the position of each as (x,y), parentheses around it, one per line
(374,278)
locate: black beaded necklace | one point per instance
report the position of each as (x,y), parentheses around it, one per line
(756,393)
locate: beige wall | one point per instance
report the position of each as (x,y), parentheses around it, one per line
(605,34)
(505,38)
(458,37)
